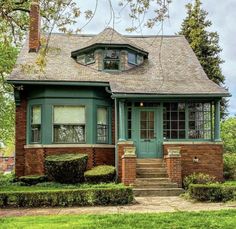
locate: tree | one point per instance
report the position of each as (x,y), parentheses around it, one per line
(228,134)
(205,44)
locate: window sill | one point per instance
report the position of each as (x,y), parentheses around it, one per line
(192,142)
(32,146)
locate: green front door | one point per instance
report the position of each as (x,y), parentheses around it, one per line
(148,144)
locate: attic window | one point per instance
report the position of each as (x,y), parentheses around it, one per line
(111,59)
(85,59)
(134,58)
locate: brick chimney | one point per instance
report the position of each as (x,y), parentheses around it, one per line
(34,27)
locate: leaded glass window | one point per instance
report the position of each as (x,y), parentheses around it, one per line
(200,121)
(102,125)
(87,58)
(69,124)
(36,124)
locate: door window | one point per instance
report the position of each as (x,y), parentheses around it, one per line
(147,125)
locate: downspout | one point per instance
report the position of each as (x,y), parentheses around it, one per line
(116,133)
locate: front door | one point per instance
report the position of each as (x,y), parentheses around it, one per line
(147,119)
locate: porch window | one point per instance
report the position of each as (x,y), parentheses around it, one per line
(102,125)
(36,124)
(200,121)
(111,59)
(174,120)
(69,124)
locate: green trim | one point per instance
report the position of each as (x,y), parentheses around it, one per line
(157,96)
(61,82)
(102,45)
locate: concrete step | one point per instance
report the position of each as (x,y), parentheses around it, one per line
(151,170)
(150,160)
(158,191)
(151,185)
(153,180)
(152,175)
(150,165)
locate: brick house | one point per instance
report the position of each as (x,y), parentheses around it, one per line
(108,94)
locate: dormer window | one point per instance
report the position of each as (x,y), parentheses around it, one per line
(111,59)
(134,58)
(87,58)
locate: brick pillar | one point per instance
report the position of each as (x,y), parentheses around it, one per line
(34,28)
(128,169)
(174,168)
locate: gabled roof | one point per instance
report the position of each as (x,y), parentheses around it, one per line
(172,68)
(109,37)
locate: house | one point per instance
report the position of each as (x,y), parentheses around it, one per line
(109,95)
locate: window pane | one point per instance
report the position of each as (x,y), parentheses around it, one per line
(69,115)
(102,116)
(102,133)
(69,133)
(112,54)
(81,59)
(90,58)
(35,133)
(36,115)
(132,58)
(111,64)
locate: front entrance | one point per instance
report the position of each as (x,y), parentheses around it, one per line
(148,134)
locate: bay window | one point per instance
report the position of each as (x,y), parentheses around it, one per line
(69,124)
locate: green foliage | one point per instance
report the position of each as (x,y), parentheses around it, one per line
(205,44)
(198,178)
(67,197)
(66,168)
(32,179)
(6,179)
(230,166)
(100,174)
(228,134)
(212,192)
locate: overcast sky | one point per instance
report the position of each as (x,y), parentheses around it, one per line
(221,13)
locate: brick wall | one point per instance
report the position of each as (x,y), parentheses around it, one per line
(209,156)
(128,169)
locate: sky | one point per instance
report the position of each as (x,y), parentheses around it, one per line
(222,14)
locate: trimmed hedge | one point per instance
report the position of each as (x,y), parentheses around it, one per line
(67,197)
(66,168)
(100,174)
(230,166)
(197,178)
(212,192)
(32,179)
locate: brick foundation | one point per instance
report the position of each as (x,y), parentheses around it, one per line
(202,157)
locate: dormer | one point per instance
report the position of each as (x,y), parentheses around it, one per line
(110,51)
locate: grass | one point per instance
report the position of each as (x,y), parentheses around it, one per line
(198,220)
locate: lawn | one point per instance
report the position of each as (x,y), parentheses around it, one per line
(214,220)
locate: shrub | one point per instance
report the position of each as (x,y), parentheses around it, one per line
(67,197)
(32,179)
(100,174)
(6,179)
(212,192)
(198,178)
(230,166)
(66,168)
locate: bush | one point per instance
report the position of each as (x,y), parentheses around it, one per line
(198,178)
(6,179)
(66,168)
(212,192)
(67,197)
(230,166)
(100,174)
(32,179)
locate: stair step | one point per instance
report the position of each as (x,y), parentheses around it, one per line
(151,170)
(154,180)
(158,191)
(151,185)
(151,160)
(150,165)
(152,175)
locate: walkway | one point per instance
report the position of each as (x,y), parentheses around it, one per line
(142,205)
